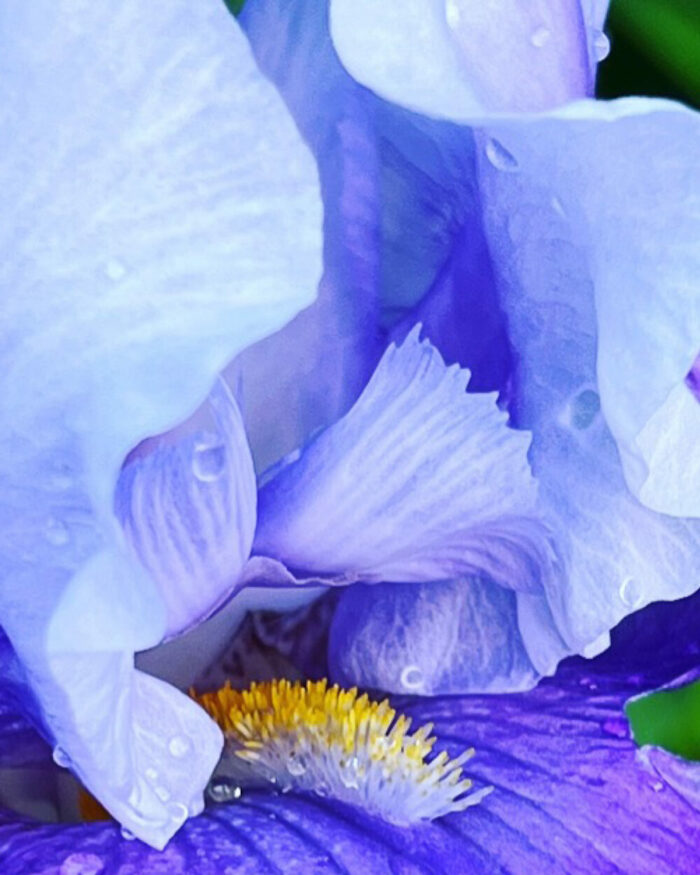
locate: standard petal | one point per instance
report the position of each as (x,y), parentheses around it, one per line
(419,481)
(188,509)
(497,56)
(603,313)
(154,232)
(598,295)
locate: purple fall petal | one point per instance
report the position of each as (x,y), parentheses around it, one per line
(572,795)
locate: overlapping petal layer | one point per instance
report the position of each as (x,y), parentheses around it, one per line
(155,231)
(572,792)
(591,216)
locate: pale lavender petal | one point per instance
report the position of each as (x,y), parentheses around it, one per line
(419,481)
(464,58)
(154,231)
(188,510)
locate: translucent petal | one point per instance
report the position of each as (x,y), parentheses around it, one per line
(420,481)
(496,55)
(188,509)
(154,231)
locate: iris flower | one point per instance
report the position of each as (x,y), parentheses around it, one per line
(169,461)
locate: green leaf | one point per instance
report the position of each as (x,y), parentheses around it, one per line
(669,719)
(668,33)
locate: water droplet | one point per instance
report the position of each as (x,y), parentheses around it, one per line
(452,13)
(296,766)
(584,409)
(630,592)
(500,157)
(412,677)
(115,269)
(178,811)
(541,37)
(179,746)
(601,46)
(223,790)
(60,757)
(127,835)
(657,786)
(162,794)
(208,460)
(151,774)
(56,533)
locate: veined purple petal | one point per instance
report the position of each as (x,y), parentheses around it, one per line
(419,481)
(572,795)
(429,639)
(154,231)
(20,743)
(463,58)
(188,510)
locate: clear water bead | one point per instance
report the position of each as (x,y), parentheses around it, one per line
(60,757)
(500,157)
(223,790)
(630,592)
(601,46)
(208,460)
(127,835)
(296,766)
(162,793)
(412,677)
(179,746)
(540,37)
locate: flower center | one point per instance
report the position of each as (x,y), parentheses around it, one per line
(334,742)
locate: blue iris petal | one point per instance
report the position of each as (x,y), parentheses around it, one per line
(571,793)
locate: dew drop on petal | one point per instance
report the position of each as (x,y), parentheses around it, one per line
(56,533)
(127,835)
(296,766)
(151,774)
(179,746)
(60,757)
(629,592)
(411,677)
(223,790)
(601,46)
(178,812)
(657,786)
(584,409)
(162,794)
(541,37)
(208,460)
(500,157)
